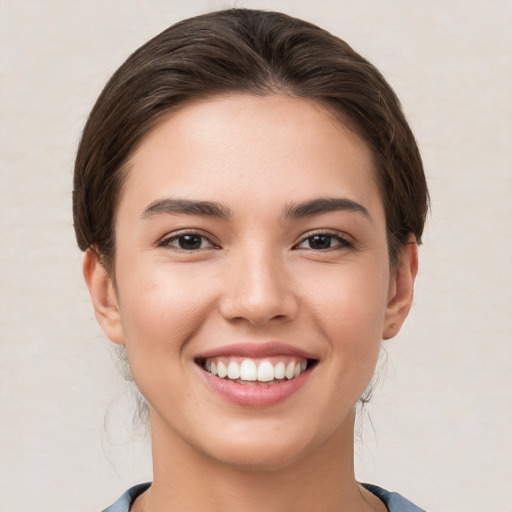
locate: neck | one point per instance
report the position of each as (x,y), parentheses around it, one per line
(185,480)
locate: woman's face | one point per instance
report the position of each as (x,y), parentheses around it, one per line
(251,239)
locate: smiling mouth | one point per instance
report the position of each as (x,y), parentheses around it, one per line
(260,372)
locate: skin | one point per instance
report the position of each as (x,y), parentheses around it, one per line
(257,276)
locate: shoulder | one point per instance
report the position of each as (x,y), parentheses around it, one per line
(125,501)
(393,501)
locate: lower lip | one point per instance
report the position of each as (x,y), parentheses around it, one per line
(255,395)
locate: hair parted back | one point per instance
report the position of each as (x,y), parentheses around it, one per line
(243,51)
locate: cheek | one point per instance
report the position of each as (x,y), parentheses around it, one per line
(349,308)
(161,309)
(351,301)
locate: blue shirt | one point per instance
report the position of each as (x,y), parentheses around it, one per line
(393,501)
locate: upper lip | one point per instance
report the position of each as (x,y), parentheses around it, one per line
(257,350)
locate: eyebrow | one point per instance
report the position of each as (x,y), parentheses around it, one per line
(324,205)
(212,209)
(186,207)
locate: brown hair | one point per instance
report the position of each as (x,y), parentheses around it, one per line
(257,52)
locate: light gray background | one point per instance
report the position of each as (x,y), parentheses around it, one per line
(443,415)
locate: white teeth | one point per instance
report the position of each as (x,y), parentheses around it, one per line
(279,371)
(290,371)
(265,371)
(222,371)
(248,370)
(233,370)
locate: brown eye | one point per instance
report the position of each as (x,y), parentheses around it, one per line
(320,241)
(323,241)
(187,242)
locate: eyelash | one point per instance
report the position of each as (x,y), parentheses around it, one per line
(343,243)
(168,242)
(340,238)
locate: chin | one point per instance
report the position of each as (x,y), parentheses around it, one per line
(264,457)
(264,447)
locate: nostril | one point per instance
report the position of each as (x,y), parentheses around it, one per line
(258,294)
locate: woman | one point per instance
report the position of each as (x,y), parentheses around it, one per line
(250,198)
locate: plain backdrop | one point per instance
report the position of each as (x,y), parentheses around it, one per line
(441,421)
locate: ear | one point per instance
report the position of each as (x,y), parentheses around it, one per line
(103,295)
(401,289)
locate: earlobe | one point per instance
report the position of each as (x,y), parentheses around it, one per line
(401,290)
(103,295)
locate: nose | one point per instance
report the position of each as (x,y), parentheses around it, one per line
(258,290)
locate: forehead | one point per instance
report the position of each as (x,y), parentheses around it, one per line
(261,149)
